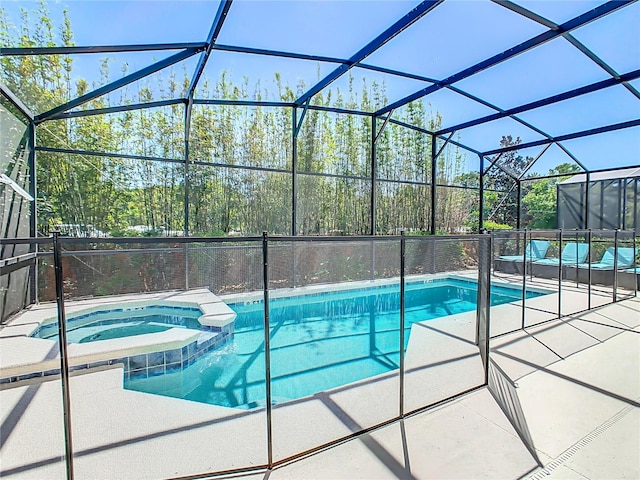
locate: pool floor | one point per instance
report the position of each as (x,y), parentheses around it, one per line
(305,359)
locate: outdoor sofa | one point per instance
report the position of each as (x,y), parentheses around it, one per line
(572,254)
(602,272)
(535,250)
(629,278)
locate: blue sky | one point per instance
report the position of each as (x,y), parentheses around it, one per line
(453,36)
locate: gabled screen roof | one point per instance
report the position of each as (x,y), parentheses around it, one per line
(613,175)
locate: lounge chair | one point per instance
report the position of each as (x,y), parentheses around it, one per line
(630,278)
(602,271)
(535,250)
(573,253)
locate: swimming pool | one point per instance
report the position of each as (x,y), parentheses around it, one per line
(318,342)
(122,322)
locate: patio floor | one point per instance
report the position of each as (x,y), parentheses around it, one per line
(573,386)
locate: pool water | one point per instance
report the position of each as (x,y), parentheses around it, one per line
(119,323)
(318,342)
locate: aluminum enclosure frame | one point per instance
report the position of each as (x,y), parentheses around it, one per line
(210,44)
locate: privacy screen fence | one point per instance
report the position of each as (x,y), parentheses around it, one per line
(612,199)
(117,266)
(301,342)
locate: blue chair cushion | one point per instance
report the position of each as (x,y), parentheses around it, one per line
(625,259)
(536,250)
(572,253)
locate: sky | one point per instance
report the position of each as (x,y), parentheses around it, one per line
(455,35)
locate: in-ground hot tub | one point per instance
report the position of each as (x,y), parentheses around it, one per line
(123,322)
(163,332)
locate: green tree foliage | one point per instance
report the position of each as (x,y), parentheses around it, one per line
(41,81)
(540,200)
(240,176)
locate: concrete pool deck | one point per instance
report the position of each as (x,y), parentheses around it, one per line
(580,410)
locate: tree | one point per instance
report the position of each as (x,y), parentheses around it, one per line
(333,166)
(540,201)
(501,177)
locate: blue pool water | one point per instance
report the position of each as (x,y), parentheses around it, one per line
(119,322)
(318,342)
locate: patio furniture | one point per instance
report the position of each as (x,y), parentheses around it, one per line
(629,278)
(573,253)
(602,272)
(535,250)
